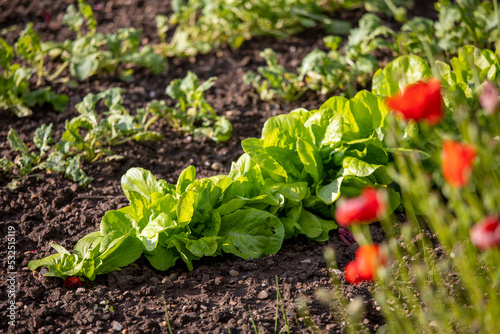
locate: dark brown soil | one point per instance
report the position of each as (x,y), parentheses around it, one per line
(221,294)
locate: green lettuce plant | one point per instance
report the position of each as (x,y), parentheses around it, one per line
(87,136)
(201,26)
(92,52)
(192,113)
(459,23)
(286,184)
(325,72)
(15,92)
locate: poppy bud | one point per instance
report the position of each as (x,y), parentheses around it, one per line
(46,16)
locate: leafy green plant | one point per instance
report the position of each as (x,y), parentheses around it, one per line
(322,71)
(87,136)
(27,162)
(29,48)
(192,113)
(201,26)
(116,128)
(469,69)
(285,185)
(15,92)
(460,23)
(274,80)
(92,52)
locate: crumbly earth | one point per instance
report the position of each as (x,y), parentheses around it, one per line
(221,295)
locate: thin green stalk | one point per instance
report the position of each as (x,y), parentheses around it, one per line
(166,315)
(430,57)
(59,71)
(495,9)
(283,312)
(469,25)
(362,234)
(253,322)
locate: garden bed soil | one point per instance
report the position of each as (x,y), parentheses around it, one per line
(221,294)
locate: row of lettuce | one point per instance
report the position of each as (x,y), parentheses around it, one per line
(347,67)
(285,184)
(89,137)
(200,27)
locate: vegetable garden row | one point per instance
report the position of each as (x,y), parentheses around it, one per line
(417,136)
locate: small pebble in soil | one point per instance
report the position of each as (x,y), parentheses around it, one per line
(306,261)
(37,322)
(167,283)
(217,166)
(154,280)
(116,326)
(234,273)
(262,295)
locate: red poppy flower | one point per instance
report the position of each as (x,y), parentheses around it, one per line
(364,268)
(367,207)
(420,101)
(457,162)
(486,234)
(72,282)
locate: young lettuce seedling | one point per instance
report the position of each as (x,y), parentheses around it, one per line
(28,162)
(93,52)
(15,93)
(325,71)
(192,113)
(116,128)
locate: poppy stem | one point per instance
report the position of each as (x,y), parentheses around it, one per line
(430,58)
(495,9)
(360,235)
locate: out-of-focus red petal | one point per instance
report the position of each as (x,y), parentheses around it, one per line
(420,101)
(351,273)
(489,98)
(365,208)
(369,258)
(486,234)
(457,162)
